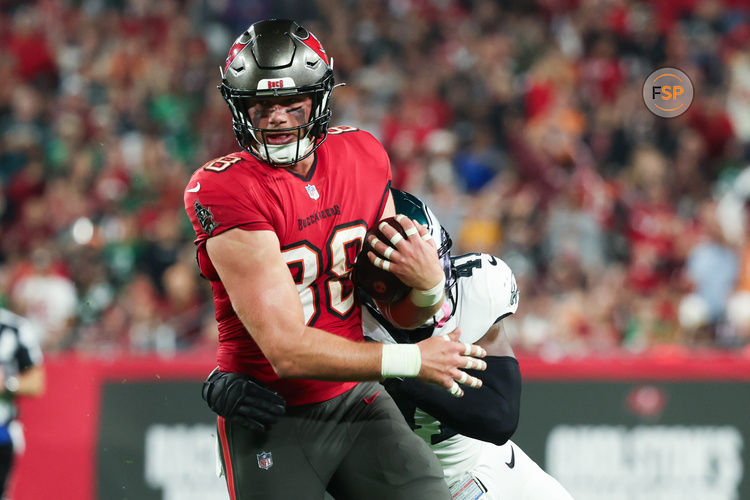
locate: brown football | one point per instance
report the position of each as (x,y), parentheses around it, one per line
(379,284)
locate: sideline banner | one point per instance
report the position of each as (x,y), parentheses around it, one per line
(73,439)
(663,428)
(646,428)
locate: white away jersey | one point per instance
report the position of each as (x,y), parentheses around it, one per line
(485,292)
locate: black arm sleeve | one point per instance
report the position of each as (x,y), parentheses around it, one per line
(489,413)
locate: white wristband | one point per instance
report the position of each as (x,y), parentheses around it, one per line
(400,360)
(428,298)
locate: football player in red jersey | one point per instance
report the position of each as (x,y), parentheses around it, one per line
(470,436)
(278,227)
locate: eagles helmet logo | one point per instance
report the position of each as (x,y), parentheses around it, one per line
(205,218)
(513,291)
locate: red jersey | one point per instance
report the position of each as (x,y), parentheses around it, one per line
(320,220)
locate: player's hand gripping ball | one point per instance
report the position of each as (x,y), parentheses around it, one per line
(379,284)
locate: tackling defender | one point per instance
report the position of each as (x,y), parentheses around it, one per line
(470,436)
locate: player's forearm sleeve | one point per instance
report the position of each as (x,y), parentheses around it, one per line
(489,413)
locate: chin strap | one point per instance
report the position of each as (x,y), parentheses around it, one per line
(285,153)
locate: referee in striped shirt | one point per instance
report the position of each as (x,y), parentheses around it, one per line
(21,374)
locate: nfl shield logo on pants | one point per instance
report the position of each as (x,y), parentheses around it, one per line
(312,191)
(265,460)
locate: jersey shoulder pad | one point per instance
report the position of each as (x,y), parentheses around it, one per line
(226,193)
(204,176)
(503,284)
(353,135)
(487,279)
(361,148)
(226,174)
(341,129)
(223,163)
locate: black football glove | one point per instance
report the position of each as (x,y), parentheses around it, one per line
(240,399)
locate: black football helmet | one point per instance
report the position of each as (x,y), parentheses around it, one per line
(278,58)
(414,208)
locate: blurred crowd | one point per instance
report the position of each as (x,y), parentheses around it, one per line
(522,124)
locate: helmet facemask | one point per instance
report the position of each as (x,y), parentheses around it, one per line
(444,254)
(253,139)
(278,58)
(414,208)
